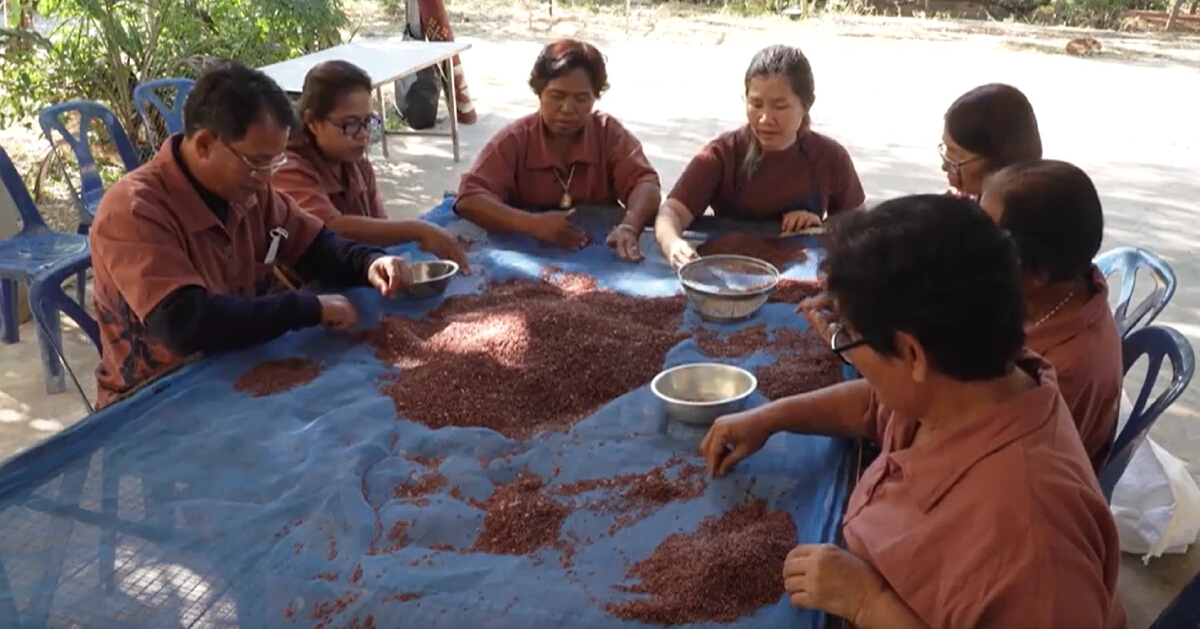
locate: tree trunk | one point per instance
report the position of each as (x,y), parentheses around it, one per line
(1175,6)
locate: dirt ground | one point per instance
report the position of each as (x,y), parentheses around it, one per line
(1127,116)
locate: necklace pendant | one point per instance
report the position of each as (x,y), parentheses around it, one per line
(565,202)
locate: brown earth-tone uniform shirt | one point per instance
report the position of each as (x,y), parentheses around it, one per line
(153,235)
(325,191)
(517,167)
(815,174)
(999,525)
(1085,349)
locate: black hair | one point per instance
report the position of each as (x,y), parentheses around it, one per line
(938,268)
(560,57)
(787,62)
(1053,212)
(230,97)
(996,122)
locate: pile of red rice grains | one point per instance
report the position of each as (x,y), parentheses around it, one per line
(276,376)
(730,567)
(776,251)
(525,356)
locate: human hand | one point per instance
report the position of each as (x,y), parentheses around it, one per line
(555,228)
(827,578)
(680,252)
(815,311)
(337,313)
(623,240)
(390,275)
(799,220)
(733,438)
(444,245)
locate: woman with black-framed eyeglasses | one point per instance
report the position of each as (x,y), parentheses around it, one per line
(327,172)
(981,509)
(988,128)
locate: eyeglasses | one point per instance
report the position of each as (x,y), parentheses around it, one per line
(840,348)
(257,170)
(354,126)
(957,165)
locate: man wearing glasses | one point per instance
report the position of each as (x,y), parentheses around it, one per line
(184,248)
(328,174)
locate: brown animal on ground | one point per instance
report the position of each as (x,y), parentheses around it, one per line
(1084,47)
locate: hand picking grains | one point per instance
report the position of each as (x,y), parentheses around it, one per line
(729,568)
(276,376)
(521,518)
(778,252)
(525,356)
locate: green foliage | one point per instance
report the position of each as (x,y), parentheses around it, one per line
(101,49)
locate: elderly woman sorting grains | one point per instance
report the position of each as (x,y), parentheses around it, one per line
(986,129)
(982,509)
(774,168)
(1052,211)
(327,172)
(564,154)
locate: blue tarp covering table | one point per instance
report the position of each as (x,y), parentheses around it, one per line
(193,505)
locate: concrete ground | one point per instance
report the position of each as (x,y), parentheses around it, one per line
(1127,117)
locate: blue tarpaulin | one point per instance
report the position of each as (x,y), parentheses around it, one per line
(193,505)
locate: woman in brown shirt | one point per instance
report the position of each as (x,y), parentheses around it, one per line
(1053,212)
(986,129)
(327,172)
(774,168)
(563,154)
(981,510)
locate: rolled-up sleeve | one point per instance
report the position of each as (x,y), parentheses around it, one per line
(494,170)
(698,184)
(627,161)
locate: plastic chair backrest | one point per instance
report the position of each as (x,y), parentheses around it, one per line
(1155,343)
(172,116)
(51,120)
(26,209)
(1128,261)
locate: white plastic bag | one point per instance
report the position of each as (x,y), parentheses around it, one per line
(1156,503)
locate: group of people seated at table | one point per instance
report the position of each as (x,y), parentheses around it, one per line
(990,362)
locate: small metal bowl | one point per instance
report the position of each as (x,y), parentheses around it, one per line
(698,394)
(728,288)
(430,279)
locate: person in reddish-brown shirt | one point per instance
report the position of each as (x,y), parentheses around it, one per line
(183,248)
(529,177)
(988,128)
(775,168)
(1053,212)
(327,172)
(982,510)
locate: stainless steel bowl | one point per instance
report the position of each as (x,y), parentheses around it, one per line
(698,394)
(430,279)
(728,288)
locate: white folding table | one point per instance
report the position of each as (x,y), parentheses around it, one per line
(386,61)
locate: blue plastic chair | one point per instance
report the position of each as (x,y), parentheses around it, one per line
(1128,261)
(52,122)
(36,251)
(172,117)
(1156,343)
(1184,611)
(46,300)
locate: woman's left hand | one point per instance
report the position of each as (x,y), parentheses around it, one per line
(799,220)
(443,244)
(827,578)
(623,240)
(390,275)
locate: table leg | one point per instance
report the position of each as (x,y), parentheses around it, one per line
(383,118)
(452,103)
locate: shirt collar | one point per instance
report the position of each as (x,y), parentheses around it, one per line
(585,148)
(301,148)
(1059,330)
(179,180)
(932,469)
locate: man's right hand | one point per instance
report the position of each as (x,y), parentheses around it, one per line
(733,438)
(556,228)
(337,313)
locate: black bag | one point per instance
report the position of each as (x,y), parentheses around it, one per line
(418,97)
